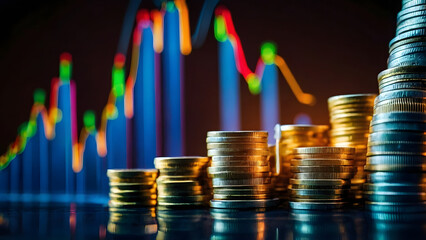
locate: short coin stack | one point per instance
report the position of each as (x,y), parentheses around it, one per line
(132,188)
(350,117)
(396,158)
(240,169)
(289,137)
(408,48)
(321,177)
(182,182)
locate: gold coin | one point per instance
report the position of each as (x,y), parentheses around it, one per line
(131,180)
(118,198)
(320,175)
(247,163)
(132,173)
(351,98)
(324,150)
(237,134)
(119,204)
(323,169)
(238,152)
(322,162)
(237,145)
(132,186)
(236,139)
(324,156)
(149,191)
(239,169)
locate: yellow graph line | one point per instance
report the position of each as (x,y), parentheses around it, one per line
(302,97)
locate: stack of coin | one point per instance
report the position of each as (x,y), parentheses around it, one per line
(321,177)
(132,224)
(240,169)
(289,137)
(132,188)
(408,48)
(350,117)
(396,159)
(182,182)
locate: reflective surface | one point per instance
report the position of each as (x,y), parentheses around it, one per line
(93,221)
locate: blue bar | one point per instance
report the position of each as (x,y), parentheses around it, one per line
(29,167)
(61,172)
(43,154)
(103,178)
(4,180)
(16,174)
(229,88)
(116,138)
(269,101)
(88,181)
(144,98)
(172,85)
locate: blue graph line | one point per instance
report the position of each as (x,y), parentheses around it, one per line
(269,100)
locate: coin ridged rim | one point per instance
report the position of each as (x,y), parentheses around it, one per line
(400,70)
(314,156)
(239,169)
(320,175)
(322,162)
(324,150)
(350,98)
(396,160)
(237,134)
(317,205)
(239,204)
(397,94)
(132,173)
(414,85)
(303,128)
(248,145)
(236,139)
(218,182)
(323,169)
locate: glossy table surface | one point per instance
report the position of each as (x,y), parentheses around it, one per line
(94,221)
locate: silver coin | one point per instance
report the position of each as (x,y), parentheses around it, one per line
(394,197)
(417,59)
(417,70)
(400,94)
(404,46)
(418,207)
(409,34)
(244,203)
(411,21)
(411,3)
(404,29)
(411,148)
(408,41)
(394,187)
(397,126)
(397,160)
(412,9)
(405,52)
(413,85)
(399,117)
(397,136)
(396,177)
(318,206)
(410,15)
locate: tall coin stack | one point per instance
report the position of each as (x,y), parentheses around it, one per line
(350,117)
(182,182)
(132,188)
(240,169)
(321,177)
(396,158)
(289,137)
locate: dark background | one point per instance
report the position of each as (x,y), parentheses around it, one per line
(332,47)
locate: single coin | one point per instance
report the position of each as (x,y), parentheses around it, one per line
(145,180)
(404,160)
(396,177)
(132,173)
(317,192)
(178,199)
(413,148)
(400,94)
(400,70)
(317,175)
(395,168)
(324,162)
(237,152)
(138,204)
(244,204)
(396,207)
(314,156)
(130,186)
(394,187)
(394,196)
(399,117)
(237,134)
(414,85)
(247,163)
(319,182)
(217,196)
(398,126)
(218,182)
(324,150)
(240,175)
(239,169)
(236,139)
(323,169)
(317,206)
(237,145)
(392,136)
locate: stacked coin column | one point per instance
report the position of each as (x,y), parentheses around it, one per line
(182,182)
(132,188)
(350,117)
(396,148)
(321,177)
(240,169)
(289,137)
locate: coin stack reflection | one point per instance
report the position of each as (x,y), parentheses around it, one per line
(132,188)
(350,117)
(140,223)
(321,177)
(396,158)
(182,182)
(240,169)
(289,137)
